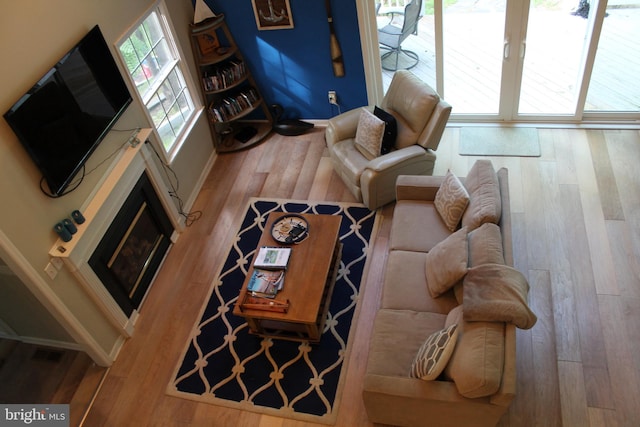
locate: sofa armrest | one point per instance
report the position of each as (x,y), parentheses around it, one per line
(507,390)
(409,402)
(343,126)
(397,157)
(412,388)
(413,187)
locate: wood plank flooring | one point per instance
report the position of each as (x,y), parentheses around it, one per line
(576,235)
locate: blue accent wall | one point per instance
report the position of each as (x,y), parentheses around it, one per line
(292,67)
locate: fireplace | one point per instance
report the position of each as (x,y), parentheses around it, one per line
(131,221)
(133,247)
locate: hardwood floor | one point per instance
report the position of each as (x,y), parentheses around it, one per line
(576,228)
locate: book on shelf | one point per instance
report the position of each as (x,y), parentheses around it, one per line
(266,282)
(272,257)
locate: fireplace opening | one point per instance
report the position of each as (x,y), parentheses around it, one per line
(131,251)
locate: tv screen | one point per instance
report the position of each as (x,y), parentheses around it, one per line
(64,116)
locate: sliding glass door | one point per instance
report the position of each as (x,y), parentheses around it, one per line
(531,61)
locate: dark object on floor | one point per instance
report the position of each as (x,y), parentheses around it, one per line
(288,127)
(245,134)
(582,9)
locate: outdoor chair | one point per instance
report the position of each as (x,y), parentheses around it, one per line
(419,117)
(391,36)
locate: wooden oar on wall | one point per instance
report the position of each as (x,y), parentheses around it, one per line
(336,53)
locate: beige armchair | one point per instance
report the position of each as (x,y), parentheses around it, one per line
(421,117)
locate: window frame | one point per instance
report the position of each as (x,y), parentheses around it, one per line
(177,63)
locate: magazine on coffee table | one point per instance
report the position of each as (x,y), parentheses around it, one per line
(270,257)
(266,282)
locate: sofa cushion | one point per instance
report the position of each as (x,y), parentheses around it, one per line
(477,361)
(369,134)
(405,285)
(497,293)
(484,193)
(390,129)
(434,354)
(447,263)
(417,226)
(397,336)
(451,201)
(485,245)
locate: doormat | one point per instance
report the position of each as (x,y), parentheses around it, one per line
(491,141)
(223,364)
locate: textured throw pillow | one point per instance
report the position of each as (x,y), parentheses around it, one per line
(390,129)
(447,263)
(434,354)
(369,135)
(451,200)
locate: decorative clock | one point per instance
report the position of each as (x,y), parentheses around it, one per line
(290,228)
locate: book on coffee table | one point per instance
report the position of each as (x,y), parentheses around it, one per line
(266,282)
(272,257)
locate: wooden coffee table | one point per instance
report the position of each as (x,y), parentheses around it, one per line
(308,283)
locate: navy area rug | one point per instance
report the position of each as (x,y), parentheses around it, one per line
(225,365)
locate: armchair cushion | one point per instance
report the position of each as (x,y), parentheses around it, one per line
(412,103)
(369,134)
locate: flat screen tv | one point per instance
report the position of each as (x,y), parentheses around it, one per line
(61,120)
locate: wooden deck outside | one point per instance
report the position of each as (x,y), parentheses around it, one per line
(554,50)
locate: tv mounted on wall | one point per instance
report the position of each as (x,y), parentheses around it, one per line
(61,120)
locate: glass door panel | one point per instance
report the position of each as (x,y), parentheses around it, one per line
(473,44)
(552,71)
(614,83)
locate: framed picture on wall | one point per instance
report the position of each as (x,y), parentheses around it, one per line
(272,14)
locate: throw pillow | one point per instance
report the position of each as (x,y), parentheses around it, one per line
(477,362)
(451,200)
(447,263)
(369,135)
(497,293)
(390,129)
(483,186)
(434,354)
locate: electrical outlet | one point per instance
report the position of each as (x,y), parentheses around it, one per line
(51,271)
(57,262)
(333,98)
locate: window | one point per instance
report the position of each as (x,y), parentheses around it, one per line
(156,69)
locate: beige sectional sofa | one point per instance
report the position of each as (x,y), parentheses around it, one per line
(478,382)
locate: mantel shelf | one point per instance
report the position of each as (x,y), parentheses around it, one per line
(64,249)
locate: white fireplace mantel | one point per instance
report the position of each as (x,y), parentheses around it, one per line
(99,211)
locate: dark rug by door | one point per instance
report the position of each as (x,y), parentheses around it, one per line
(493,141)
(224,365)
